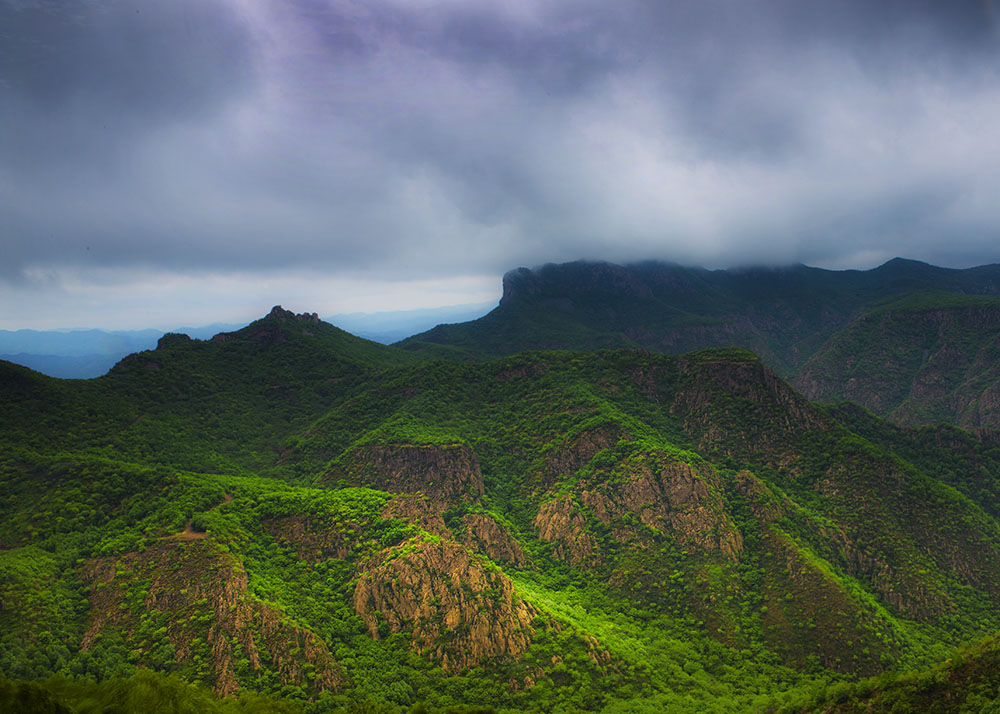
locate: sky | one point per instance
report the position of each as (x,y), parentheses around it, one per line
(198,161)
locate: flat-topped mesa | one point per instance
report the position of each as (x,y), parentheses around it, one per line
(560,282)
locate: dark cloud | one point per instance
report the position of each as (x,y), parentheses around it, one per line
(458,137)
(153,60)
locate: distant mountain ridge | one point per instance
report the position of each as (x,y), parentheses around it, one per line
(88,353)
(932,356)
(84,353)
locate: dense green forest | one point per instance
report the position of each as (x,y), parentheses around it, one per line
(912,342)
(290,518)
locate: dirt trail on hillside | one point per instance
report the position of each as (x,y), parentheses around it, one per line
(189,533)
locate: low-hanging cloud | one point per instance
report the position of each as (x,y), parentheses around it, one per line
(430,139)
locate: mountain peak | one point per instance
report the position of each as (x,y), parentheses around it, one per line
(278,312)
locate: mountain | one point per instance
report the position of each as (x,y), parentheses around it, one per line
(67,366)
(965,682)
(82,354)
(910,341)
(292,510)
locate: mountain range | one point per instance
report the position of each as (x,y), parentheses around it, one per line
(912,342)
(612,493)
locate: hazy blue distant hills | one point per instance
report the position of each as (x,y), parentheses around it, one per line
(393,326)
(87,353)
(66,367)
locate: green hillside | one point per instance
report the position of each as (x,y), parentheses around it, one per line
(913,342)
(288,511)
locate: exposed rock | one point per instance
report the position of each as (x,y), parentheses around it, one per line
(418,510)
(483,534)
(442,473)
(675,497)
(763,503)
(189,579)
(577,453)
(459,609)
(311,542)
(559,521)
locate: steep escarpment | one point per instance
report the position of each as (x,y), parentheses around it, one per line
(668,496)
(562,522)
(483,533)
(664,495)
(573,452)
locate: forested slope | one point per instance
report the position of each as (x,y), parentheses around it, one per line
(293,511)
(910,341)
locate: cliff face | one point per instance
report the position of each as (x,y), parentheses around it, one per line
(417,510)
(442,473)
(457,607)
(575,453)
(188,582)
(482,533)
(669,497)
(560,521)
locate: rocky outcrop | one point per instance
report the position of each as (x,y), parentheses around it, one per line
(269,330)
(663,494)
(458,608)
(762,501)
(570,457)
(200,594)
(310,541)
(482,533)
(669,496)
(445,474)
(417,510)
(559,521)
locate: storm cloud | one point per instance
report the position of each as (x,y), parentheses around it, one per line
(390,140)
